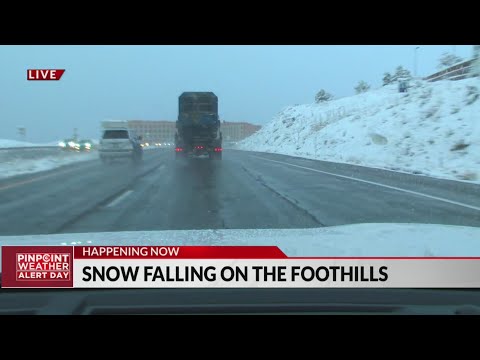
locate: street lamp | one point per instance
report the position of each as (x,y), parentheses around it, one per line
(415,61)
(22,131)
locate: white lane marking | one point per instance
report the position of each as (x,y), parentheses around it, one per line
(119,198)
(125,194)
(377,184)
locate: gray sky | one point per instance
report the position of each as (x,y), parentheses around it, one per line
(253,83)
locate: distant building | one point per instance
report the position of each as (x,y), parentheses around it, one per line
(164,131)
(236,131)
(154,131)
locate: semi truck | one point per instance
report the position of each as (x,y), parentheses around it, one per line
(198,130)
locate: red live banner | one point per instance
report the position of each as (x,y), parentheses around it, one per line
(45,74)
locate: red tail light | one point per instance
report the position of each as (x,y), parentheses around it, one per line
(218,149)
(178,149)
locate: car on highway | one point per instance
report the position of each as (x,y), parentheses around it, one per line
(69,145)
(86,145)
(119,143)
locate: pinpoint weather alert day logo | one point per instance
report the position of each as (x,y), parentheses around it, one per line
(44,74)
(43,266)
(37,266)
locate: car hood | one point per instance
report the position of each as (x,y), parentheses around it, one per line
(382,239)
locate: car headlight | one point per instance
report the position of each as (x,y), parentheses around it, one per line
(62,144)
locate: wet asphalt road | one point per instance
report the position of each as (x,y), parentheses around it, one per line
(245,190)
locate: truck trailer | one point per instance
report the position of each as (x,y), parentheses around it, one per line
(198,126)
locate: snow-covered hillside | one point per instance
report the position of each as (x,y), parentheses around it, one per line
(433,129)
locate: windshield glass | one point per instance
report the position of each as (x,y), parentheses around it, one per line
(297,137)
(328,150)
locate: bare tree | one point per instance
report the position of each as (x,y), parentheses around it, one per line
(447,60)
(361,87)
(387,79)
(323,96)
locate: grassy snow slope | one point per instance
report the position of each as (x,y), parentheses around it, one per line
(434,129)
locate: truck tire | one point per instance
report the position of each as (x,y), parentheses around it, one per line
(179,155)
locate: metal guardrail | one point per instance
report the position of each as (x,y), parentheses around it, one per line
(456,72)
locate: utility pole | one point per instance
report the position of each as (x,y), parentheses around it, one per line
(475,69)
(476,51)
(22,131)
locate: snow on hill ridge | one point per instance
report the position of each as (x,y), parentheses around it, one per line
(433,129)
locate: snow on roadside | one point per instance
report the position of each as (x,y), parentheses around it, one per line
(434,130)
(17,166)
(7,143)
(23,161)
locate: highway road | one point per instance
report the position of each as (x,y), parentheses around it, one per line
(245,190)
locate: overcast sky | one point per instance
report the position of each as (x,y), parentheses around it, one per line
(253,83)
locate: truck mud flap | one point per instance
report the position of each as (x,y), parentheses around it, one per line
(215,155)
(180,155)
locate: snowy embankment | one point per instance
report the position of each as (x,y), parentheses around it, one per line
(433,130)
(17,166)
(7,143)
(23,161)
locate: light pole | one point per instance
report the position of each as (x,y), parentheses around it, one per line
(22,131)
(415,61)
